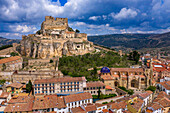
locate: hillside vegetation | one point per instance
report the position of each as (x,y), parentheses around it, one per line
(5,41)
(134,41)
(78,66)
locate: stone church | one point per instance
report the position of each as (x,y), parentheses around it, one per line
(130,78)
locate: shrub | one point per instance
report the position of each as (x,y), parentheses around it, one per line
(105,103)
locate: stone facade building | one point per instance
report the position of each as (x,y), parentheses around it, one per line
(25,76)
(11,63)
(131,78)
(93,87)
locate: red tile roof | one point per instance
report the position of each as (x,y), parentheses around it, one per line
(4,95)
(107,77)
(95,84)
(10,59)
(89,108)
(16,85)
(78,110)
(165,84)
(63,79)
(20,104)
(49,101)
(127,69)
(145,94)
(77,97)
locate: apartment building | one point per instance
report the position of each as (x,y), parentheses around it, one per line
(61,86)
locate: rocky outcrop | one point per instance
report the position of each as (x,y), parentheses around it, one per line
(54,39)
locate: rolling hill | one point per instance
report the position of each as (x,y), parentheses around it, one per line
(5,41)
(133,41)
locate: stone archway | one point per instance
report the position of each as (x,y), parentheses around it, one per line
(134,83)
(116,84)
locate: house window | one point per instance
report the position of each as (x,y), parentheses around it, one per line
(35,85)
(38,88)
(68,83)
(38,84)
(77,82)
(38,91)
(42,91)
(50,84)
(42,84)
(74,82)
(61,83)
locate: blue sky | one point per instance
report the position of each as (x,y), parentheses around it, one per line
(94,17)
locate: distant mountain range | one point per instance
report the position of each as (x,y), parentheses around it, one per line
(133,41)
(5,41)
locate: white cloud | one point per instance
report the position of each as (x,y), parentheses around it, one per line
(22,28)
(124,13)
(94,18)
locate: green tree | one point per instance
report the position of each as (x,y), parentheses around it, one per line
(98,92)
(130,92)
(29,87)
(14,54)
(51,61)
(134,56)
(70,29)
(151,88)
(2,82)
(77,31)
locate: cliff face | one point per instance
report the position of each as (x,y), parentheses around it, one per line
(55,40)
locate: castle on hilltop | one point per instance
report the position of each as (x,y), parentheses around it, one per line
(55,39)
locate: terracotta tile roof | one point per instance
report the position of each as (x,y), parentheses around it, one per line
(145,94)
(164,102)
(4,95)
(77,97)
(155,106)
(127,69)
(165,84)
(99,105)
(107,77)
(78,110)
(118,105)
(137,105)
(89,108)
(20,99)
(49,101)
(20,104)
(162,94)
(127,111)
(108,87)
(5,60)
(63,79)
(16,85)
(105,111)
(95,84)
